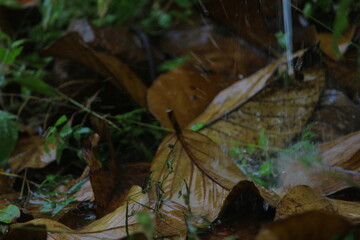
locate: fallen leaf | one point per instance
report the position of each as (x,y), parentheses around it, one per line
(336,116)
(310,225)
(72,47)
(30,152)
(191,164)
(302,199)
(247,20)
(186,91)
(111,226)
(239,92)
(326,43)
(281,111)
(212,51)
(111,182)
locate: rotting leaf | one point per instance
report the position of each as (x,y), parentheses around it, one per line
(186,91)
(72,47)
(239,92)
(311,225)
(282,111)
(31,152)
(302,199)
(193,159)
(110,182)
(327,46)
(339,168)
(336,116)
(111,226)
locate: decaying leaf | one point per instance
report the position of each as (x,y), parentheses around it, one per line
(336,116)
(280,111)
(311,225)
(192,171)
(111,226)
(302,198)
(72,47)
(111,182)
(326,43)
(31,152)
(339,168)
(186,91)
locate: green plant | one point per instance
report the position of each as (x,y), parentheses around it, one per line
(61,133)
(8,214)
(8,135)
(55,206)
(259,161)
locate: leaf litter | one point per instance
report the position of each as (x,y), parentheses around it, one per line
(193,178)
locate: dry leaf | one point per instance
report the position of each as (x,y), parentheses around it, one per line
(246,18)
(195,162)
(313,225)
(336,116)
(238,93)
(186,91)
(281,112)
(72,47)
(111,182)
(326,43)
(111,226)
(302,199)
(30,153)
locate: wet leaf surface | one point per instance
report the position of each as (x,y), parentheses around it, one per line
(310,225)
(193,165)
(72,47)
(30,152)
(280,111)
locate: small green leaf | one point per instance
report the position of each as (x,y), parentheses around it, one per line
(61,204)
(198,126)
(164,20)
(9,214)
(79,132)
(35,84)
(77,186)
(308,10)
(65,131)
(174,63)
(61,120)
(281,38)
(8,135)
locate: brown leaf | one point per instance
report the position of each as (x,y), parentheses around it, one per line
(336,116)
(109,181)
(281,112)
(186,91)
(72,47)
(238,93)
(111,226)
(193,160)
(313,225)
(30,153)
(211,50)
(246,18)
(302,199)
(343,154)
(326,43)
